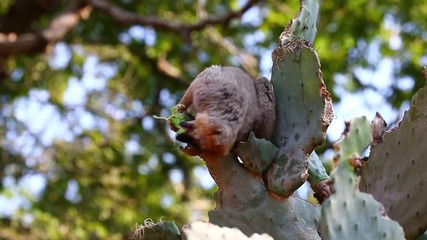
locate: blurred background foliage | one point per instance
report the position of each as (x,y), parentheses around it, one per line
(81,156)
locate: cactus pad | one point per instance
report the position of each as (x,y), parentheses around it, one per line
(318,178)
(396,172)
(161,230)
(348,213)
(303,105)
(209,231)
(263,203)
(242,201)
(256,154)
(303,110)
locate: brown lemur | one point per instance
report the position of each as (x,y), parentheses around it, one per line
(226,105)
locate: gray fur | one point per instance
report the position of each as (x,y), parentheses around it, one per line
(234,103)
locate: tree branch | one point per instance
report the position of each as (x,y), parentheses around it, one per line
(28,11)
(13,44)
(128,18)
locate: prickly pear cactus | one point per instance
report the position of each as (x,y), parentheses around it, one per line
(303,105)
(348,213)
(167,230)
(243,202)
(257,181)
(208,231)
(316,170)
(304,111)
(256,154)
(396,174)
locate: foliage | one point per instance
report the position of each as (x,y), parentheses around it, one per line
(175,119)
(102,162)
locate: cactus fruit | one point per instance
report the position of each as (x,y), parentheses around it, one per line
(395,173)
(348,213)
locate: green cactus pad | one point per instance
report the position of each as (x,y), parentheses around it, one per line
(209,231)
(242,201)
(304,111)
(303,105)
(303,27)
(318,178)
(161,230)
(316,170)
(396,173)
(256,154)
(356,138)
(424,235)
(348,213)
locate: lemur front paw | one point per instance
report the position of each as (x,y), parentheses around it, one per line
(202,135)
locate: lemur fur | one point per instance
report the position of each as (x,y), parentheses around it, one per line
(227,104)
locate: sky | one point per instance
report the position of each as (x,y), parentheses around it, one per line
(42,118)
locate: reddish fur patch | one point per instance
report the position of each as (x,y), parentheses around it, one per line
(206,133)
(191,151)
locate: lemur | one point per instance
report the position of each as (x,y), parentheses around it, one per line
(226,105)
